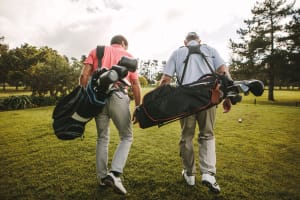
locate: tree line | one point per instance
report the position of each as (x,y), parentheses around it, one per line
(42,70)
(268,49)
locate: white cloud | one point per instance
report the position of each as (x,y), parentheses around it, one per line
(154,28)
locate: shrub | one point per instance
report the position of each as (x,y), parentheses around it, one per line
(17,102)
(44,100)
(24,101)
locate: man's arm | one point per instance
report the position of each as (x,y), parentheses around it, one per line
(136,90)
(85,74)
(223,70)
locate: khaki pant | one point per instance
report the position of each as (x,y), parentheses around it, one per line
(117,109)
(206,142)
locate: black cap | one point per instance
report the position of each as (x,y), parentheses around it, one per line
(192,36)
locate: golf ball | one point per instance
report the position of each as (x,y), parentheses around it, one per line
(240,120)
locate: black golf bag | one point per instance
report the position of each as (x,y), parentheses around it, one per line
(168,103)
(77,108)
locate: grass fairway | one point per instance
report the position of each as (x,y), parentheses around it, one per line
(256,159)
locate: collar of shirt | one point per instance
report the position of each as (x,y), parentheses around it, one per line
(117,46)
(192,43)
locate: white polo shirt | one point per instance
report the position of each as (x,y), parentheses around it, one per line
(196,67)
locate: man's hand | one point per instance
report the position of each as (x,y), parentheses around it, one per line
(223,70)
(226,105)
(134,120)
(165,79)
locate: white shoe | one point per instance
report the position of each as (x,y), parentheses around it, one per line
(115,182)
(190,180)
(210,182)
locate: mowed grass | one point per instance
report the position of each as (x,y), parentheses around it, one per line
(256,159)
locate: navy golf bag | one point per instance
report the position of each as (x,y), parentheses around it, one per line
(74,111)
(77,108)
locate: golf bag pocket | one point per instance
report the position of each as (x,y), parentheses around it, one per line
(68,128)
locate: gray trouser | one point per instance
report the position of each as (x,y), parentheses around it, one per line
(117,109)
(206,142)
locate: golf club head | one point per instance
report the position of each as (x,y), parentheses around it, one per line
(102,79)
(239,87)
(121,71)
(130,64)
(234,98)
(256,87)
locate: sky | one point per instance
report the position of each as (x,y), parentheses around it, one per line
(154,28)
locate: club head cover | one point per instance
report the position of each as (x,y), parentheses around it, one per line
(120,70)
(256,87)
(131,64)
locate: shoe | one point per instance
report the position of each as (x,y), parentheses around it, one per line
(115,183)
(102,181)
(190,180)
(210,182)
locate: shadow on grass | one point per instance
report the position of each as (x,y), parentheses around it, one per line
(152,190)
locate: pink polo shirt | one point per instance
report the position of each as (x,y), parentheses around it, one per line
(112,55)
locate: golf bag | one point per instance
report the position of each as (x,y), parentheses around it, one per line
(77,108)
(168,103)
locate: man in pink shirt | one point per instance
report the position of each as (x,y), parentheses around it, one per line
(117,109)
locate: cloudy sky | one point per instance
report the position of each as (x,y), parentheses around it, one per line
(154,28)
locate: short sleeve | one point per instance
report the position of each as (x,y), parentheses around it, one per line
(170,65)
(217,59)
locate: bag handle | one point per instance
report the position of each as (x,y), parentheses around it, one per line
(100,54)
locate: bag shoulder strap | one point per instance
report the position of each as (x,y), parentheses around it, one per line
(185,66)
(205,59)
(100,54)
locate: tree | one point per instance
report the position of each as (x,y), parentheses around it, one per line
(4,65)
(21,59)
(15,78)
(143,81)
(261,43)
(293,49)
(246,53)
(55,75)
(158,76)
